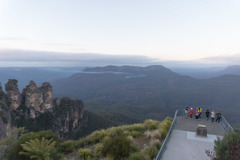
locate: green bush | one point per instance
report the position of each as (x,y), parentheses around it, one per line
(228,147)
(117,147)
(151,124)
(151,151)
(136,156)
(98,150)
(136,127)
(115,131)
(85,153)
(163,133)
(67,146)
(38,149)
(96,137)
(12,151)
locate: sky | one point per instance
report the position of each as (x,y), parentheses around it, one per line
(164,30)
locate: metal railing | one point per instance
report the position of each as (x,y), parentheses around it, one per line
(178,113)
(226,125)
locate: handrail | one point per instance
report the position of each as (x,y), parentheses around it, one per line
(159,155)
(226,125)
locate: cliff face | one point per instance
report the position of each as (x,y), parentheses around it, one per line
(13,93)
(69,116)
(37,100)
(35,109)
(5,117)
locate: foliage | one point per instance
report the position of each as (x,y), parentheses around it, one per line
(136,156)
(117,147)
(165,126)
(38,149)
(85,153)
(12,151)
(96,137)
(10,141)
(151,151)
(98,149)
(67,146)
(226,148)
(151,124)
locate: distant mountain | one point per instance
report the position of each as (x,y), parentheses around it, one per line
(37,74)
(206,73)
(150,92)
(235,70)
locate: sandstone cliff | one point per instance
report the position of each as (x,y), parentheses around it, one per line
(36,110)
(5,117)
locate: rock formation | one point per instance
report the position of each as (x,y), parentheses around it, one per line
(5,117)
(37,100)
(13,93)
(69,115)
(36,108)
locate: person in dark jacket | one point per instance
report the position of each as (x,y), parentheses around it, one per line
(207,114)
(219,115)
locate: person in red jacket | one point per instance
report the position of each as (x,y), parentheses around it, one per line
(191,112)
(197,113)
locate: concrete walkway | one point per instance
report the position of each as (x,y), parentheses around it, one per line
(185,145)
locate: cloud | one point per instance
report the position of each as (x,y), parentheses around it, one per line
(42,58)
(229,60)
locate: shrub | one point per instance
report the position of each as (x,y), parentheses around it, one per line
(151,151)
(136,156)
(38,149)
(163,133)
(117,147)
(166,124)
(67,146)
(98,150)
(13,151)
(116,131)
(136,127)
(84,153)
(96,137)
(226,148)
(150,124)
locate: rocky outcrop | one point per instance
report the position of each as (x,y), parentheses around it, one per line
(13,93)
(37,100)
(69,116)
(35,109)
(5,117)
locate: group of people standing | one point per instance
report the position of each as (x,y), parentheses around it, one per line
(198,113)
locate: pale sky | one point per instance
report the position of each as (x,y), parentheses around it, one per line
(162,29)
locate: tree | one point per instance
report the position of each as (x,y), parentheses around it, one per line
(36,149)
(227,148)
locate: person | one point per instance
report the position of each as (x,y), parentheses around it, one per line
(191,112)
(196,113)
(200,111)
(213,115)
(207,114)
(219,115)
(186,112)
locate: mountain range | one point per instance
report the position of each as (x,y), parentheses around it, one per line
(150,92)
(129,94)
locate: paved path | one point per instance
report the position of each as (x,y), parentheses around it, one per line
(185,145)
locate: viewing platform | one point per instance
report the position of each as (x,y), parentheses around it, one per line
(183,143)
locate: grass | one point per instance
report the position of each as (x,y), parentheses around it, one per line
(146,137)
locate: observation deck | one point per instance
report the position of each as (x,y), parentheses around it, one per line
(182,143)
